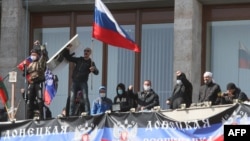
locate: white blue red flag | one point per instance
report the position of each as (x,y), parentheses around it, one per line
(24,63)
(50,87)
(107,30)
(244,57)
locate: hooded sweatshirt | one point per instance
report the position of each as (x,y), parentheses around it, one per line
(101,104)
(122,98)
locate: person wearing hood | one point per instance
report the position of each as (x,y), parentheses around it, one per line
(102,103)
(233,93)
(147,99)
(210,90)
(182,93)
(122,98)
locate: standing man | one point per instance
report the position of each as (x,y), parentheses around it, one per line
(83,67)
(36,72)
(147,99)
(182,93)
(209,91)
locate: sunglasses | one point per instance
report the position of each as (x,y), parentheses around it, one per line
(86,50)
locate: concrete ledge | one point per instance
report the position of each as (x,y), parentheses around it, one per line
(195,113)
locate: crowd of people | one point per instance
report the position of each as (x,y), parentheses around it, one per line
(125,99)
(210,92)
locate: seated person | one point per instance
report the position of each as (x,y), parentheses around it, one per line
(102,103)
(232,93)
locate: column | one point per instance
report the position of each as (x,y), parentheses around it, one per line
(187,41)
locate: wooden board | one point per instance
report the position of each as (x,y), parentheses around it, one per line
(57,59)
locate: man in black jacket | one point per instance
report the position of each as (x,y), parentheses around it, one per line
(182,93)
(83,67)
(210,90)
(147,99)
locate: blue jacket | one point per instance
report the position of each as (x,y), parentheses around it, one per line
(100,105)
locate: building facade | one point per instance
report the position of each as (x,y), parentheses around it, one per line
(193,36)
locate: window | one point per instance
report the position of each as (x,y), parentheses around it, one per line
(120,65)
(157,59)
(224,41)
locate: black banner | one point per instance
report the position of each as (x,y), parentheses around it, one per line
(141,126)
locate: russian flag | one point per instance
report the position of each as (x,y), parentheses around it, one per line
(24,63)
(244,57)
(106,29)
(50,87)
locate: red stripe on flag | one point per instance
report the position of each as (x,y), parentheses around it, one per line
(219,138)
(3,97)
(3,92)
(47,97)
(113,38)
(244,57)
(243,63)
(25,62)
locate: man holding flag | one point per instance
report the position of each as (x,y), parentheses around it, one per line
(83,66)
(36,72)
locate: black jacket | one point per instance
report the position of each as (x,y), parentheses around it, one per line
(238,94)
(81,70)
(122,99)
(182,93)
(148,100)
(209,92)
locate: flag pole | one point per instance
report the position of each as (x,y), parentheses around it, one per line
(92,56)
(238,64)
(7,110)
(12,80)
(15,111)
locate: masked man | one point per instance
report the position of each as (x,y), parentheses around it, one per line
(36,72)
(182,93)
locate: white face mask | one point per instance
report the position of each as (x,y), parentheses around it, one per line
(102,94)
(146,87)
(33,57)
(179,82)
(120,91)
